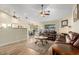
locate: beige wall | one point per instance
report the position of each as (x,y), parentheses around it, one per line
(8,19)
(75,26)
(10,35)
(60,29)
(67,28)
(4,18)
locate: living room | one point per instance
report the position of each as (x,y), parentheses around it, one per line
(35,29)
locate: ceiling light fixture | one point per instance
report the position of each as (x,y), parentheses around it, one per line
(44,12)
(14,16)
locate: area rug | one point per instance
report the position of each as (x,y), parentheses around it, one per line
(39,47)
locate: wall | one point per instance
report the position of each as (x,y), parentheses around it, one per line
(60,29)
(4,18)
(75,26)
(68,28)
(10,35)
(8,19)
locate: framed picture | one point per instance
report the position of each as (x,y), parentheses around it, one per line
(76,13)
(64,23)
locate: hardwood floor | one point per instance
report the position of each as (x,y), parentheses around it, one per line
(25,48)
(17,49)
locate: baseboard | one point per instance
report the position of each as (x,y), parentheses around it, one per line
(1,45)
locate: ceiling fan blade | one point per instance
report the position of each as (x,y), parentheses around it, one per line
(14,17)
(46,14)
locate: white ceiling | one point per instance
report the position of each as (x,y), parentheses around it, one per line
(31,11)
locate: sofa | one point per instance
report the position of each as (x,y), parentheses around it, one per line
(50,34)
(60,47)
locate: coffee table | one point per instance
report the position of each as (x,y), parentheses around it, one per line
(41,39)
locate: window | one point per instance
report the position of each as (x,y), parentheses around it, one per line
(50,26)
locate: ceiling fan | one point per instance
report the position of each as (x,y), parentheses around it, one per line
(44,12)
(14,16)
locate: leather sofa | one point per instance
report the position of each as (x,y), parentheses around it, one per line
(60,47)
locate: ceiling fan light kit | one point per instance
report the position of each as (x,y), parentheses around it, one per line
(44,12)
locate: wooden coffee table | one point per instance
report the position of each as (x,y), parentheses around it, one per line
(41,39)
